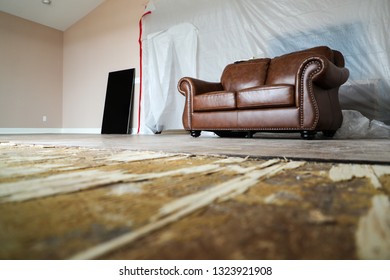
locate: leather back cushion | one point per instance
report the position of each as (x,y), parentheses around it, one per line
(246,74)
(283,69)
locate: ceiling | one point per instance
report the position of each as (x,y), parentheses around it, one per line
(60,14)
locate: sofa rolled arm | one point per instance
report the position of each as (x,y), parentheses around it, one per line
(330,75)
(193,86)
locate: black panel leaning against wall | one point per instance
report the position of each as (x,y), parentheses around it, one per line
(119,102)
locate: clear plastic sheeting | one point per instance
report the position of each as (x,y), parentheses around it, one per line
(357,126)
(224,31)
(171,54)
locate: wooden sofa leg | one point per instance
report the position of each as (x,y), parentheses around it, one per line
(329,133)
(195,133)
(249,134)
(308,134)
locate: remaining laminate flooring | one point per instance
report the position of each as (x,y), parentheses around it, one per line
(263,145)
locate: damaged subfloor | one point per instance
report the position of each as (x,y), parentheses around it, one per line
(90,202)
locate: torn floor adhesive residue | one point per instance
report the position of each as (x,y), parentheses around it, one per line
(61,203)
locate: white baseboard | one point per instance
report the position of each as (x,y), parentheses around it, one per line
(54,131)
(30,130)
(81,130)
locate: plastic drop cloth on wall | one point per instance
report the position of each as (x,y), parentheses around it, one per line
(357,126)
(199,38)
(170,55)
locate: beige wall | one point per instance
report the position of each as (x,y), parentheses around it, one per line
(30,74)
(105,40)
(63,75)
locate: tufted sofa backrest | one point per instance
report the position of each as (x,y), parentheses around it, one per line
(283,69)
(245,74)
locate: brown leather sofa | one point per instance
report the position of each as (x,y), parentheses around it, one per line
(296,92)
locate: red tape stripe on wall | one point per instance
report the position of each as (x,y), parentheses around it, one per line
(140,71)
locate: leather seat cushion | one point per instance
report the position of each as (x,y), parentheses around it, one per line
(215,101)
(266,97)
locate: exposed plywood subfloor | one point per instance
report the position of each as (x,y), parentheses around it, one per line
(302,213)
